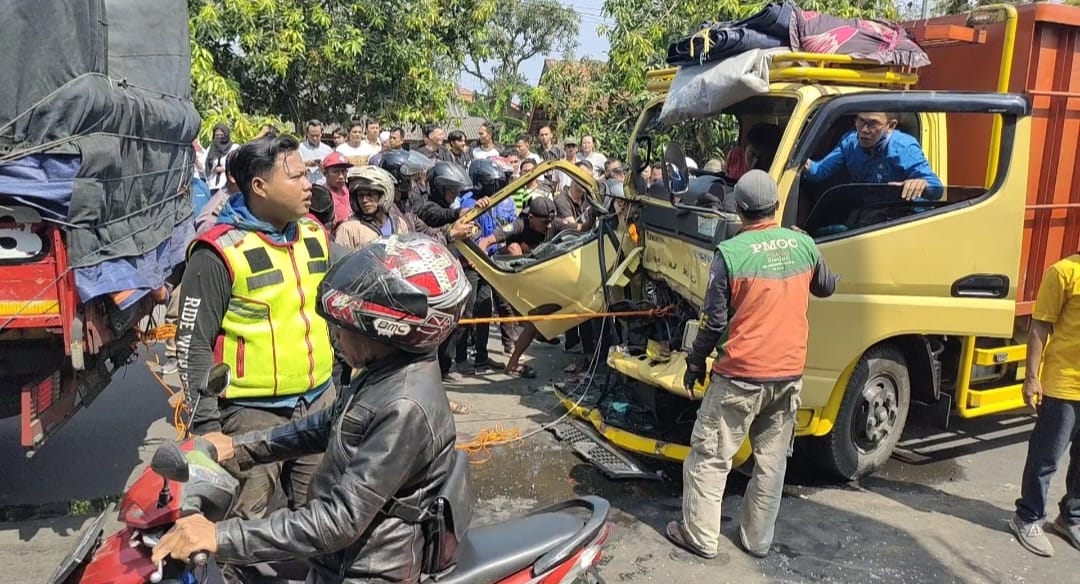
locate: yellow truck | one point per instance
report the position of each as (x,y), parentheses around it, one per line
(933,299)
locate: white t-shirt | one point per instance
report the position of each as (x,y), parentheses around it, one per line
(359,156)
(217,180)
(478,153)
(597,161)
(309,152)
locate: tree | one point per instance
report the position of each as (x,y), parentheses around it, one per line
(333,59)
(517,32)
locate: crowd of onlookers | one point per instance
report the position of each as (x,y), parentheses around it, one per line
(368,182)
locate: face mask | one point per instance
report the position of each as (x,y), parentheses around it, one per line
(223,140)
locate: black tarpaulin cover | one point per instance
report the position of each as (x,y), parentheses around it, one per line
(110,82)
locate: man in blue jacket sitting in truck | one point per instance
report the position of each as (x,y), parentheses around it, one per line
(876,152)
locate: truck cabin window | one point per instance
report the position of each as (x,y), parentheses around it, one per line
(535,224)
(871,169)
(719,149)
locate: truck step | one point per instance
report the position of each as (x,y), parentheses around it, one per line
(590,445)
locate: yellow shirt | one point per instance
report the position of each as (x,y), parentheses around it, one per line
(1059,304)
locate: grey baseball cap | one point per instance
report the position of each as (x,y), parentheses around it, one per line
(755,191)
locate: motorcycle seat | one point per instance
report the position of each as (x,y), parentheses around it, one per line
(489,554)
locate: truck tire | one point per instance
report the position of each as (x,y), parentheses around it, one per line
(872,415)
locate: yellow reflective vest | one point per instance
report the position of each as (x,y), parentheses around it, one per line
(271,336)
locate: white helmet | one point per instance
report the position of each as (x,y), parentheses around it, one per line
(371,178)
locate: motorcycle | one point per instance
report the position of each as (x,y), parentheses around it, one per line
(554,545)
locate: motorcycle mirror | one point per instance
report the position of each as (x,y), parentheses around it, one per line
(676,174)
(217,380)
(170,463)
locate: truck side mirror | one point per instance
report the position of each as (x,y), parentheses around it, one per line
(638,164)
(676,174)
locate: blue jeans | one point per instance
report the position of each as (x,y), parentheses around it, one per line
(1056,429)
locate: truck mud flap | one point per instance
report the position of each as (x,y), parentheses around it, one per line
(589,445)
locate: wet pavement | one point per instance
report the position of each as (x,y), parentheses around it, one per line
(936,513)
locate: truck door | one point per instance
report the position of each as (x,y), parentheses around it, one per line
(946,264)
(562,276)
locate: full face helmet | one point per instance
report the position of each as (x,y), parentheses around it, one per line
(407,291)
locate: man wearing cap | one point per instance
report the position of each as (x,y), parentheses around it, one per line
(570,151)
(519,238)
(336,168)
(754,315)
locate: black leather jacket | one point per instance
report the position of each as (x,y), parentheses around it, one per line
(390,436)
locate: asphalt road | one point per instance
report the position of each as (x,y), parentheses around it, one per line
(937,516)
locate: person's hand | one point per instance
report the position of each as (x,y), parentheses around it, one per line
(1033,392)
(219,169)
(460,230)
(806,165)
(695,374)
(222,443)
(191,534)
(483,202)
(911,189)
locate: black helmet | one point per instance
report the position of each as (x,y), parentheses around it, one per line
(407,291)
(448,175)
(392,162)
(322,205)
(403,165)
(487,177)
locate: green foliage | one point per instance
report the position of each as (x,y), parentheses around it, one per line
(254,61)
(516,32)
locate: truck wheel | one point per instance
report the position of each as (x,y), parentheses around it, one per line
(872,414)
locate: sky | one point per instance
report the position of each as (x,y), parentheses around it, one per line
(589,43)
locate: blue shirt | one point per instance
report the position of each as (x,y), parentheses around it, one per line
(897,158)
(504,213)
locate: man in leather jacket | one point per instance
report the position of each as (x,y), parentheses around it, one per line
(388,441)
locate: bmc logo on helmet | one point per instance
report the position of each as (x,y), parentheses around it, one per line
(389,328)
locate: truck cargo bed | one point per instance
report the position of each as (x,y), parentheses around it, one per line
(1045,67)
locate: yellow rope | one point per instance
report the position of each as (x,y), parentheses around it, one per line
(486,439)
(168,331)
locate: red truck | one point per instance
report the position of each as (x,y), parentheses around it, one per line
(96,128)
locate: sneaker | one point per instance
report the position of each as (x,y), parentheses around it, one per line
(1031,536)
(451,377)
(465,368)
(1070,533)
(169,367)
(487,364)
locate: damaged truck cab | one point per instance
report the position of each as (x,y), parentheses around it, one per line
(934,296)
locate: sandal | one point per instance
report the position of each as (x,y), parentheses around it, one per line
(676,534)
(523,371)
(458,408)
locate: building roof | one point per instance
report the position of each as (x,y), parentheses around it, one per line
(457,118)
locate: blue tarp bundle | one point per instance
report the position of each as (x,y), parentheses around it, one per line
(98,137)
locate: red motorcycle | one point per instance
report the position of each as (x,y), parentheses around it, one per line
(556,545)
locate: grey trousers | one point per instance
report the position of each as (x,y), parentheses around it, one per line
(257,484)
(730,412)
